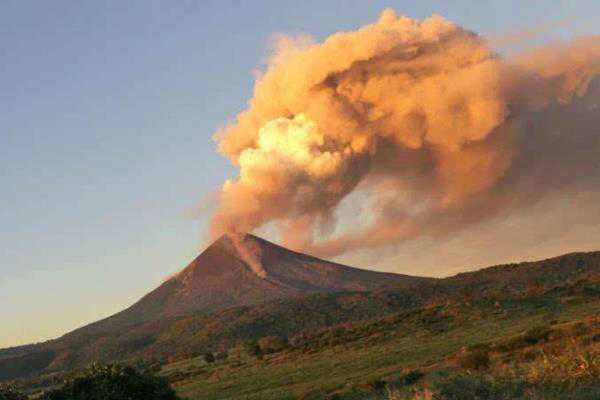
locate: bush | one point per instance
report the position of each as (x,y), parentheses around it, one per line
(574,367)
(272,344)
(475,359)
(376,385)
(257,351)
(113,382)
(536,334)
(411,377)
(209,358)
(479,387)
(9,392)
(531,337)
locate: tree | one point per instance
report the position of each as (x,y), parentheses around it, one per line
(209,358)
(113,382)
(257,351)
(9,392)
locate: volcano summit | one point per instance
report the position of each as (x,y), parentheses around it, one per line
(243,269)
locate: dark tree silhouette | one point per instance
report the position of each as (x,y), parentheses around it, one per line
(209,358)
(9,392)
(113,382)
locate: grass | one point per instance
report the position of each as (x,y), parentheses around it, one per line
(348,370)
(573,375)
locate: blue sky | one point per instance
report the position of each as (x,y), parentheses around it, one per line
(107,113)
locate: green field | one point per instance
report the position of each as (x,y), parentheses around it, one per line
(385,352)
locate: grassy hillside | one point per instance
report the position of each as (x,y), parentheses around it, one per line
(351,363)
(434,345)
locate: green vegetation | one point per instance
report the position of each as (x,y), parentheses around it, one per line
(113,382)
(574,375)
(475,358)
(400,351)
(9,392)
(209,358)
(14,366)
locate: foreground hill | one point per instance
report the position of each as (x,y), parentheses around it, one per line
(310,295)
(532,347)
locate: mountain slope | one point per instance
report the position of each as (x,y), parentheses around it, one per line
(239,270)
(555,271)
(234,293)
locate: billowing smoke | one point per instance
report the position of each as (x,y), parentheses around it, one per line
(434,128)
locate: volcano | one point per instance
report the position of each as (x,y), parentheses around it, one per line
(243,288)
(243,269)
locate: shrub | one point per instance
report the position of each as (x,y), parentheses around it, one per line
(475,359)
(532,336)
(376,385)
(257,351)
(113,382)
(479,386)
(574,367)
(209,358)
(9,392)
(536,334)
(411,377)
(271,344)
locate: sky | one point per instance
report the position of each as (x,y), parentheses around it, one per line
(108,109)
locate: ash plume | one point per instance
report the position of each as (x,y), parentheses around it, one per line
(437,131)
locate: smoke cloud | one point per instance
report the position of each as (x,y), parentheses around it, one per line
(435,129)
